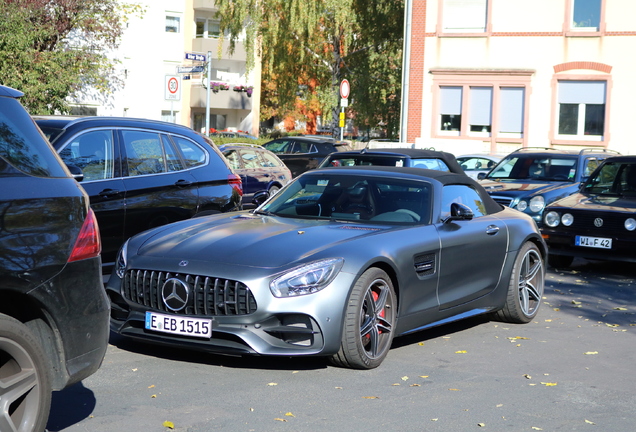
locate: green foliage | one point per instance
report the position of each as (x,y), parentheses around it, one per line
(316,44)
(54,50)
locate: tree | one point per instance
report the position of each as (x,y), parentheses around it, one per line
(56,50)
(307,48)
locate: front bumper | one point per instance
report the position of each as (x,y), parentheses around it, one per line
(563,243)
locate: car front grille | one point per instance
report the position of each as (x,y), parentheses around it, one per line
(502,200)
(207,296)
(612,222)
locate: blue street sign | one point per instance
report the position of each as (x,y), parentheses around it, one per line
(195,57)
(190,69)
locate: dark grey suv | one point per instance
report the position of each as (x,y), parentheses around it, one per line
(53,308)
(302,154)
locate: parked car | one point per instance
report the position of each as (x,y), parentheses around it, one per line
(259,168)
(140,174)
(475,164)
(53,308)
(599,221)
(301,154)
(397,157)
(530,178)
(337,263)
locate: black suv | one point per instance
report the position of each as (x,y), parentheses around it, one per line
(530,178)
(302,154)
(54,311)
(140,174)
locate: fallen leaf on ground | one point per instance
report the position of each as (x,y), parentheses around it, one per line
(280,419)
(434,419)
(290,414)
(536,428)
(454,390)
(421,344)
(591,352)
(589,422)
(461,352)
(151,386)
(153,396)
(612,325)
(272,384)
(416,385)
(481,424)
(526,376)
(574,302)
(405,378)
(423,376)
(548,384)
(370,397)
(168,424)
(620,308)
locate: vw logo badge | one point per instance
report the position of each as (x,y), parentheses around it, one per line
(598,222)
(183,263)
(175,293)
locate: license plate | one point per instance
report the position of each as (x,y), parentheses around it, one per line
(594,242)
(186,326)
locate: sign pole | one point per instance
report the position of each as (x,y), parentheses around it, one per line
(345,89)
(207,95)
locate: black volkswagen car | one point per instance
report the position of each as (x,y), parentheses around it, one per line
(598,222)
(53,307)
(301,154)
(141,174)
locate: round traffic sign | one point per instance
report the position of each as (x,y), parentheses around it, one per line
(344,89)
(173,85)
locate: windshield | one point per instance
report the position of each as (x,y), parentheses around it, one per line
(535,167)
(613,179)
(353,198)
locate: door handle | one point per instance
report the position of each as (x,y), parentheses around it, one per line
(109,192)
(492,229)
(183,183)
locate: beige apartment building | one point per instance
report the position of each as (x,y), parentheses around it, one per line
(154,60)
(496,75)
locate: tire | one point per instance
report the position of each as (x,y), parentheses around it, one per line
(273,190)
(25,393)
(526,286)
(369,322)
(560,261)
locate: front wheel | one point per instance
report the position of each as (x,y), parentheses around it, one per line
(25,383)
(525,289)
(369,322)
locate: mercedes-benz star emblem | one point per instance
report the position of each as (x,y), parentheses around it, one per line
(174,293)
(598,222)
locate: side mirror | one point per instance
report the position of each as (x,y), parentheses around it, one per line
(76,172)
(459,212)
(481,176)
(260,197)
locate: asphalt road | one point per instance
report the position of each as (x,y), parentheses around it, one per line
(571,369)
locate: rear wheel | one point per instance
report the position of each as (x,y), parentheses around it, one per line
(273,190)
(25,383)
(369,322)
(526,286)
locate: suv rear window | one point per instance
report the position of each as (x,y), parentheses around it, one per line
(22,145)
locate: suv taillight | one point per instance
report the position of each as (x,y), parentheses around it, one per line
(236,183)
(88,243)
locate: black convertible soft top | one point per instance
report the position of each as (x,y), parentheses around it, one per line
(445,178)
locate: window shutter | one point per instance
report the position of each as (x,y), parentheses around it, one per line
(465,15)
(582,92)
(511,107)
(451,100)
(480,105)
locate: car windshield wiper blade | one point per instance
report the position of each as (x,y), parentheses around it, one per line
(263,213)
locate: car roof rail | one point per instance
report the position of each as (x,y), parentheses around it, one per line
(598,150)
(532,149)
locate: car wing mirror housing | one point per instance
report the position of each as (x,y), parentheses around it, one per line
(76,172)
(481,176)
(260,197)
(459,212)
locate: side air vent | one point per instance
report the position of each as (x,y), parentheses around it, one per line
(424,264)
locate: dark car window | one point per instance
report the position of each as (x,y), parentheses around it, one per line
(22,145)
(173,161)
(93,153)
(250,158)
(613,179)
(430,163)
(303,147)
(536,167)
(144,153)
(279,146)
(269,160)
(461,194)
(192,153)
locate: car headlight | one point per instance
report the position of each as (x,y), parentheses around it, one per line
(552,219)
(630,224)
(537,204)
(306,279)
(567,219)
(122,260)
(522,205)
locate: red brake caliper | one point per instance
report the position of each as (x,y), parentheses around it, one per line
(376,296)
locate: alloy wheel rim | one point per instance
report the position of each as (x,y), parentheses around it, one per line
(19,388)
(531,280)
(376,319)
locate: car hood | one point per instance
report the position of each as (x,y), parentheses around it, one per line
(245,239)
(616,203)
(525,187)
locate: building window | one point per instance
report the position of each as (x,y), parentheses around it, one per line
(586,15)
(173,24)
(480,109)
(465,16)
(582,110)
(511,111)
(207,28)
(451,109)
